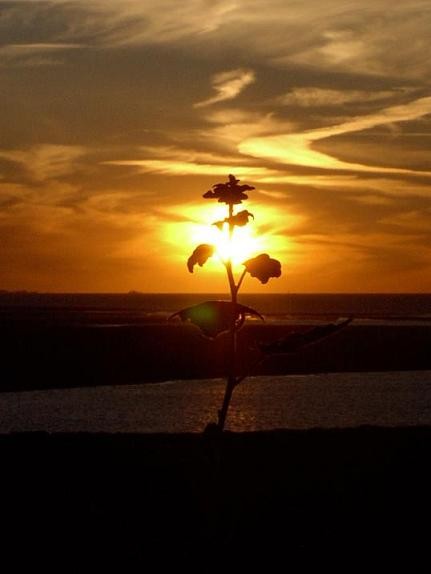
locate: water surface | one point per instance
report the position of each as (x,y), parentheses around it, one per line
(260,403)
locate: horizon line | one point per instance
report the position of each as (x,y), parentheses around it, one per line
(197,293)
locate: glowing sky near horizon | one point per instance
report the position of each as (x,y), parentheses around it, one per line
(116,116)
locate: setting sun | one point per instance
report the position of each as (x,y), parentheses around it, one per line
(242,245)
(247,241)
(215,283)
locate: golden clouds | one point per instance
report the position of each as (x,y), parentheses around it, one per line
(46,161)
(297,149)
(172,167)
(228,85)
(324,106)
(314,96)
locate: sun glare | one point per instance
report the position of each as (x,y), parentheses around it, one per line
(237,249)
(246,242)
(242,245)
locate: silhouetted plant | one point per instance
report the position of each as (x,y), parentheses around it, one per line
(217,317)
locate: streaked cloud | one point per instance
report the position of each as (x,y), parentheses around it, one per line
(412,221)
(46,161)
(228,85)
(117,115)
(37,47)
(170,160)
(175,153)
(229,127)
(34,54)
(297,149)
(119,22)
(314,96)
(366,38)
(170,167)
(325,34)
(136,22)
(334,181)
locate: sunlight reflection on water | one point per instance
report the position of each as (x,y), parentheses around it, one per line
(260,403)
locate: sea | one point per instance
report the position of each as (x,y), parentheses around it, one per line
(318,400)
(326,400)
(135,307)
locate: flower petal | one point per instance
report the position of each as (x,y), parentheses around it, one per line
(263,267)
(200,255)
(229,192)
(240,219)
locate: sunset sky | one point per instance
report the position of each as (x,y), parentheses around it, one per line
(117,115)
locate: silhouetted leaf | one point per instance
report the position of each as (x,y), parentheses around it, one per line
(200,256)
(229,192)
(296,341)
(240,219)
(215,317)
(263,267)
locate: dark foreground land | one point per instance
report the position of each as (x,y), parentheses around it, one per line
(281,501)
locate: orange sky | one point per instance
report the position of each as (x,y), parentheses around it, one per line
(117,116)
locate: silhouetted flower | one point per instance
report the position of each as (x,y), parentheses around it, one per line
(240,219)
(215,317)
(263,267)
(200,256)
(229,192)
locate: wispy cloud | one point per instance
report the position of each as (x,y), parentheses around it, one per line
(325,34)
(228,85)
(172,167)
(171,160)
(412,221)
(37,47)
(47,161)
(232,126)
(34,54)
(136,22)
(321,33)
(315,96)
(302,90)
(174,153)
(119,23)
(344,42)
(297,148)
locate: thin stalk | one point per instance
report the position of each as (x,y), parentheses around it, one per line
(231,374)
(241,279)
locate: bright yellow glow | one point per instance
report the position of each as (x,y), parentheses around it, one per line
(240,247)
(244,242)
(194,226)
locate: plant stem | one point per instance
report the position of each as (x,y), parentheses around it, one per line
(231,368)
(241,279)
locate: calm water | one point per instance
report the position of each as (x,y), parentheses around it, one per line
(306,401)
(327,400)
(278,305)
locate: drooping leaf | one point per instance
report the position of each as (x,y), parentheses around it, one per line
(240,219)
(215,317)
(200,256)
(229,192)
(296,341)
(263,267)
